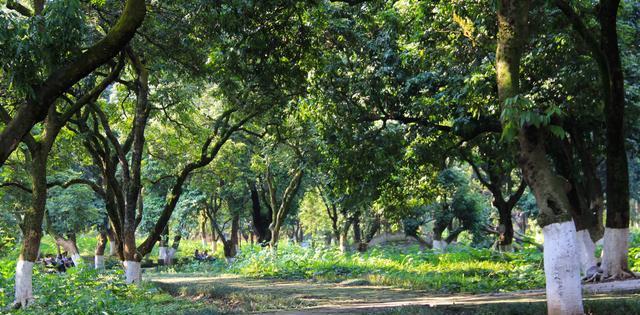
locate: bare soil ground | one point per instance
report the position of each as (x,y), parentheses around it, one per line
(235,294)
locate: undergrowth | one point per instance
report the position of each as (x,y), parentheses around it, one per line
(462,269)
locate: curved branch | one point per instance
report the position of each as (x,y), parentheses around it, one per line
(65,77)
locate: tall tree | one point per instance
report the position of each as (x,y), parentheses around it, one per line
(564,292)
(606,53)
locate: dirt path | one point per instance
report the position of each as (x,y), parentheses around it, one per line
(305,297)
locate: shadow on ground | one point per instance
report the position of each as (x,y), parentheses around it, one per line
(235,294)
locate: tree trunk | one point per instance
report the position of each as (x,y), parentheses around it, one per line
(583,195)
(616,241)
(374,227)
(438,243)
(113,247)
(214,238)
(133,272)
(564,292)
(203,231)
(300,234)
(101,245)
(261,221)
(505,228)
(171,252)
(163,246)
(344,246)
(230,245)
(357,233)
(32,229)
(285,204)
(70,247)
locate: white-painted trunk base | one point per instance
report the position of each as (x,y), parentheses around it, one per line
(562,273)
(439,245)
(133,272)
(24,284)
(586,251)
(171,253)
(113,251)
(98,262)
(77,260)
(506,248)
(162,254)
(615,252)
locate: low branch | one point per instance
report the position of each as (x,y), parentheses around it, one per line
(523,239)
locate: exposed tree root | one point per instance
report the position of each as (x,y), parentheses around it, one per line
(621,275)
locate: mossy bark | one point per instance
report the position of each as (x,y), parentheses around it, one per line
(561,268)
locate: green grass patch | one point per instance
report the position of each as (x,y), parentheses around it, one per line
(463,269)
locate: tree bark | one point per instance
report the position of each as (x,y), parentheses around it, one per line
(505,239)
(32,230)
(261,221)
(564,295)
(101,245)
(203,230)
(343,235)
(616,242)
(285,204)
(606,54)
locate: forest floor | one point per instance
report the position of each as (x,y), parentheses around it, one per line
(237,294)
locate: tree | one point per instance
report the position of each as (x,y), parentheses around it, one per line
(493,167)
(564,295)
(605,52)
(41,94)
(38,148)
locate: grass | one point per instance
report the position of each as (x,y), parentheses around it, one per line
(85,291)
(229,299)
(461,270)
(464,269)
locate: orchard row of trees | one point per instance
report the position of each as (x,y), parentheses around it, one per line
(321,118)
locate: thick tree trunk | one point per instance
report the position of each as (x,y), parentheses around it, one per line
(230,245)
(564,291)
(101,245)
(285,204)
(438,243)
(587,253)
(32,229)
(261,221)
(69,246)
(564,295)
(505,228)
(616,243)
(615,253)
(343,242)
(133,272)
